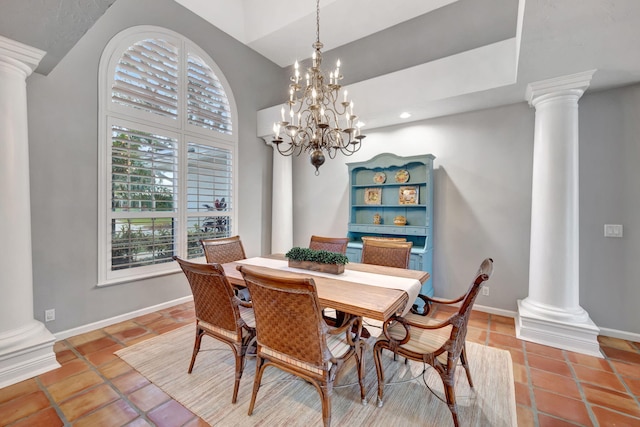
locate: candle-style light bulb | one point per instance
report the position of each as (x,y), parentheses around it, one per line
(345,95)
(307,76)
(282,113)
(331,78)
(351,108)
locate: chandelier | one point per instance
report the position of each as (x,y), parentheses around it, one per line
(319,122)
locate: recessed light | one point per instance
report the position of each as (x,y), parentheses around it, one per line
(405,115)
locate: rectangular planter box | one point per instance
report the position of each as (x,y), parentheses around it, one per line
(315,266)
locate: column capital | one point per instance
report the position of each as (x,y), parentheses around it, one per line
(26,57)
(573,83)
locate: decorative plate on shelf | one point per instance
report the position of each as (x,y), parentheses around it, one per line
(372,196)
(408,195)
(379,177)
(402,176)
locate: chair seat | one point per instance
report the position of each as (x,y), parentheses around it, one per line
(422,341)
(337,346)
(246,314)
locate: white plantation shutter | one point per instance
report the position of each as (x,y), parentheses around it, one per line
(209,178)
(143,172)
(146,78)
(207,103)
(167,166)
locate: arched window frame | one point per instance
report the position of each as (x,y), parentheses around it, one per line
(185,213)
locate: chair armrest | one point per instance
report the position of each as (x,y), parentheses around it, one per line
(351,323)
(238,302)
(428,301)
(407,325)
(246,304)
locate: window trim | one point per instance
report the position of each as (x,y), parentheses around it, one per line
(108,112)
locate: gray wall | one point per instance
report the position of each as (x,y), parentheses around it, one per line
(610,194)
(63,120)
(483,170)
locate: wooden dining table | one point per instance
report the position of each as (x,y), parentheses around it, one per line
(374,302)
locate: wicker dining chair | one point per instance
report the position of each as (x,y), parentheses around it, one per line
(386,252)
(219,313)
(331,244)
(223,250)
(300,343)
(428,340)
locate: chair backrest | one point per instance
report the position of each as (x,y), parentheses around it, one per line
(461,318)
(331,244)
(213,295)
(386,252)
(223,250)
(288,315)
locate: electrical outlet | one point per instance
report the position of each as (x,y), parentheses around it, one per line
(50,315)
(485,291)
(612,230)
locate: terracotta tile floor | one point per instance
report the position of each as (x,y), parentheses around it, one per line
(95,388)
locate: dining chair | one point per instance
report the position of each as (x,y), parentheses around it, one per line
(386,252)
(300,343)
(220,314)
(223,250)
(440,343)
(331,244)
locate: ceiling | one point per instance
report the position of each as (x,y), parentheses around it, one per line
(428,57)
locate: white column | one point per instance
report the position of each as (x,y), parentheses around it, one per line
(551,314)
(26,346)
(282,202)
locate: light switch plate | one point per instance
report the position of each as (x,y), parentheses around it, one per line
(612,230)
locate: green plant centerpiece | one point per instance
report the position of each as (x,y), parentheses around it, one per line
(323,261)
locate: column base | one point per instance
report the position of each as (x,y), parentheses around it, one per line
(574,333)
(26,352)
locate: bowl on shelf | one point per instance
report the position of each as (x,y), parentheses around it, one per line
(400,220)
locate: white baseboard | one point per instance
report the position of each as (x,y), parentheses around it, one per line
(614,333)
(607,332)
(121,318)
(623,335)
(493,310)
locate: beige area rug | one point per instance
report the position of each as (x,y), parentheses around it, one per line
(284,400)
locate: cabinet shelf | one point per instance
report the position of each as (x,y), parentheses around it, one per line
(388,184)
(388,206)
(418,228)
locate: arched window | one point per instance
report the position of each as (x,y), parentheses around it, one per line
(167,167)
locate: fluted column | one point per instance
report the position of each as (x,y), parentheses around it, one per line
(282,202)
(26,346)
(551,314)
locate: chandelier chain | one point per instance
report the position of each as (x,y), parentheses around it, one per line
(318,21)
